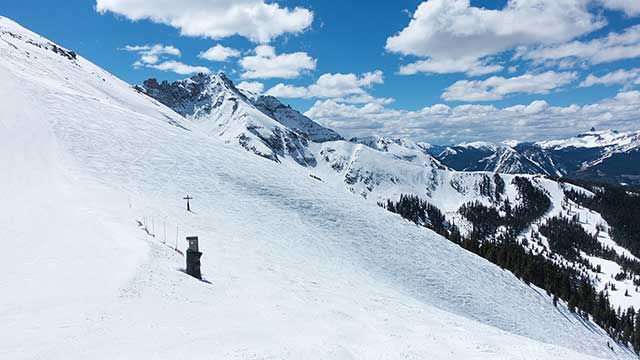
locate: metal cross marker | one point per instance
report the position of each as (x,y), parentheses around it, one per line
(188,198)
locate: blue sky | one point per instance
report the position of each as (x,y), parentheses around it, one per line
(438,71)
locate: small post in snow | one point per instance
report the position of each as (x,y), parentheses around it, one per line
(188,198)
(193,258)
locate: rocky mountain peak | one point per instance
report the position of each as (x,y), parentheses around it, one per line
(197,96)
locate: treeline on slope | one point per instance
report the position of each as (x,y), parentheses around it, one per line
(534,203)
(560,281)
(618,205)
(566,235)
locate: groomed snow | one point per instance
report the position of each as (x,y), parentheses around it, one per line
(297,268)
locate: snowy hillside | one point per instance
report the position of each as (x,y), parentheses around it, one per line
(295,267)
(381,175)
(402,149)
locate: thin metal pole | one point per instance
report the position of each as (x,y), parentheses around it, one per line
(177,229)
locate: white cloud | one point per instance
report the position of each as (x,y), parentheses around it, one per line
(219,53)
(150,54)
(364,99)
(348,88)
(253,86)
(535,107)
(613,47)
(622,77)
(255,20)
(289,91)
(448,30)
(445,125)
(338,85)
(629,7)
(266,64)
(154,57)
(497,87)
(468,65)
(179,68)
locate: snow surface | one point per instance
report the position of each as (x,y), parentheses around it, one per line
(295,267)
(380,176)
(593,139)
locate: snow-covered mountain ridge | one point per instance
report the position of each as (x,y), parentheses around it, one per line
(593,139)
(260,124)
(607,155)
(213,100)
(297,268)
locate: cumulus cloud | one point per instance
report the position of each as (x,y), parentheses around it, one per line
(154,57)
(266,64)
(497,87)
(348,88)
(255,20)
(618,77)
(179,68)
(613,47)
(253,86)
(150,54)
(471,122)
(629,7)
(447,30)
(468,65)
(219,53)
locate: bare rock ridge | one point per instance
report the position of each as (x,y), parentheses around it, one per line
(260,124)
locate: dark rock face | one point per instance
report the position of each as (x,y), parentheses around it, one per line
(261,125)
(186,97)
(197,96)
(71,55)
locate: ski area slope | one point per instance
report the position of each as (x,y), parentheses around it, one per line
(295,267)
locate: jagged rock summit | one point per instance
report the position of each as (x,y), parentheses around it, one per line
(261,124)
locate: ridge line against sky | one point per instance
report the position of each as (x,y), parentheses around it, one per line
(441,71)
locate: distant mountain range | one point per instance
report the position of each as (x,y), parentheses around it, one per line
(264,125)
(608,156)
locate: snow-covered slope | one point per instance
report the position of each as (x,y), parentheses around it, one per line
(296,268)
(381,175)
(403,149)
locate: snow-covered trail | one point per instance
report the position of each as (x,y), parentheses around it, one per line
(297,268)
